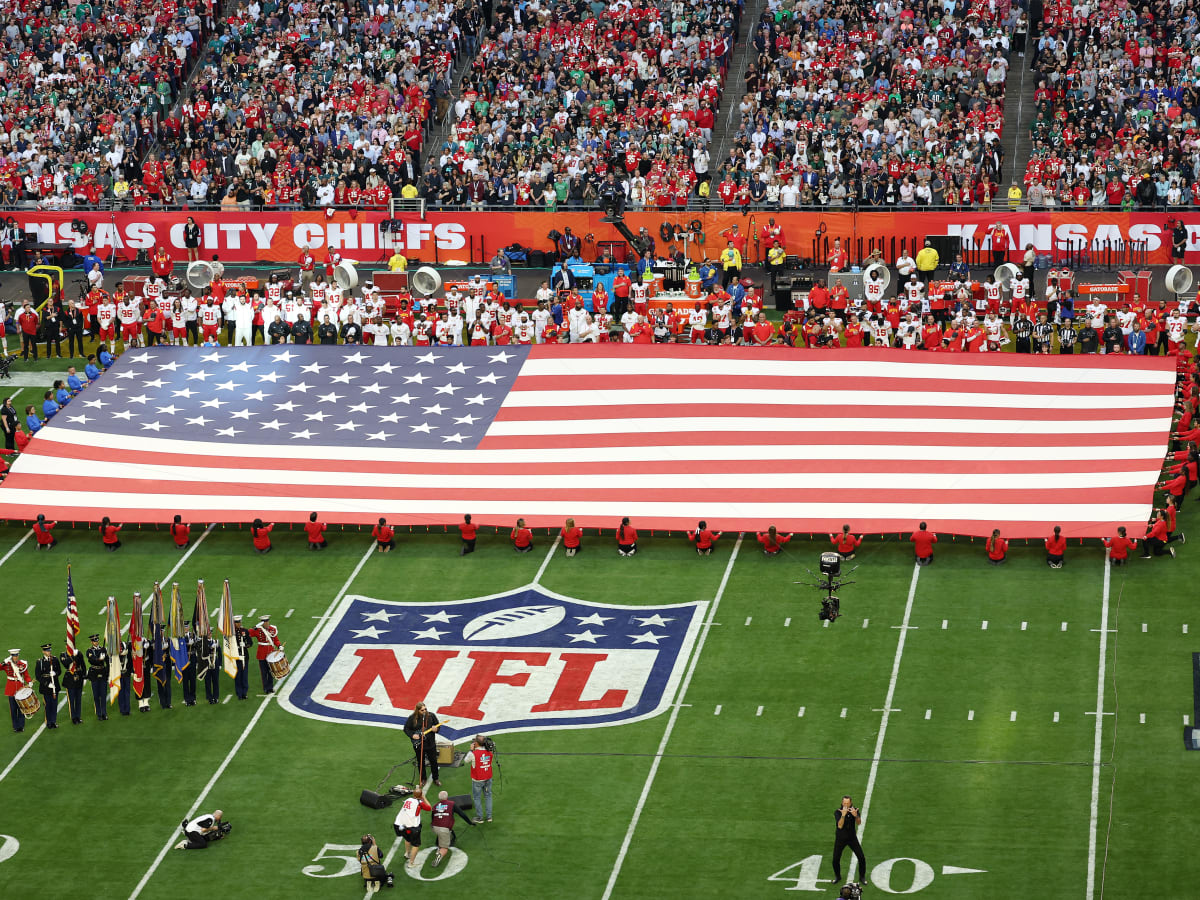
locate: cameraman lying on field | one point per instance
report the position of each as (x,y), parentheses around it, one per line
(203,830)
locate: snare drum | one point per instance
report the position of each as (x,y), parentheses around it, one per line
(278,664)
(27,702)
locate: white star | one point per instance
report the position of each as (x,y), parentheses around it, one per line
(466,420)
(285,356)
(156,383)
(316,417)
(436,410)
(355,357)
(213,403)
(372,388)
(130,375)
(331,397)
(225,386)
(460,369)
(113,389)
(126,415)
(380,615)
(152,426)
(186,392)
(347,426)
(386,367)
(168,410)
(302,435)
(502,356)
(403,398)
(301,387)
(140,398)
(655,619)
(489,378)
(370,632)
(359,407)
(314,368)
(257,395)
(477,400)
(415,379)
(648,637)
(379,436)
(198,375)
(442,616)
(199,420)
(424,426)
(589,636)
(270,376)
(243,414)
(447,389)
(273,424)
(242,367)
(228,432)
(211,357)
(344,378)
(456,438)
(289,406)
(169,366)
(80,419)
(431,633)
(391,417)
(94,404)
(594,619)
(428,357)
(139,357)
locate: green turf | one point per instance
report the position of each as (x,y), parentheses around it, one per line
(738,797)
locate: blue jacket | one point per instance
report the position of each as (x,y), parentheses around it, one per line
(75,384)
(63,396)
(92,371)
(49,408)
(106,359)
(33,422)
(1136,342)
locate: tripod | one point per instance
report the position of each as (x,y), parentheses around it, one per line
(829,580)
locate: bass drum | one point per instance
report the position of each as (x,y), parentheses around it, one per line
(27,702)
(277,662)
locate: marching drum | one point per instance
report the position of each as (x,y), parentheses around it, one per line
(27,702)
(278,664)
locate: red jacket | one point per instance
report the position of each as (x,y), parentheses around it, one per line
(267,637)
(521,537)
(703,539)
(1119,547)
(997,548)
(17,675)
(571,537)
(316,531)
(1056,546)
(180,533)
(261,537)
(923,541)
(41,531)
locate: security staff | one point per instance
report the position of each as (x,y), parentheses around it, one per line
(48,672)
(241,680)
(267,636)
(97,674)
(776,257)
(16,672)
(189,673)
(125,655)
(731,264)
(847,819)
(73,669)
(927,262)
(206,650)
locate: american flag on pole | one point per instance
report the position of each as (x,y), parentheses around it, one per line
(666,434)
(72,617)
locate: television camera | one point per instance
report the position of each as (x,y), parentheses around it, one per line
(829,578)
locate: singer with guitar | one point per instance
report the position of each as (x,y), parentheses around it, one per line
(421,728)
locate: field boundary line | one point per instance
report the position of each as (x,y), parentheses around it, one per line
(17,546)
(399,841)
(63,702)
(249,728)
(887,709)
(1094,817)
(675,707)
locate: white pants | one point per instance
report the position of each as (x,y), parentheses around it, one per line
(242,338)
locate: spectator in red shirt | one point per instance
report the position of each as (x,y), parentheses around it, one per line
(1056,547)
(41,531)
(703,539)
(845,543)
(1119,547)
(923,541)
(1155,542)
(468,532)
(385,536)
(522,537)
(260,535)
(772,541)
(108,534)
(28,322)
(997,548)
(626,538)
(181,532)
(571,537)
(316,533)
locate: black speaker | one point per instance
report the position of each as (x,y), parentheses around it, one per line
(946,245)
(783,299)
(374,800)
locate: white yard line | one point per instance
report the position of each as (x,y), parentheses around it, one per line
(171,841)
(1099,740)
(17,546)
(887,709)
(63,702)
(545,562)
(662,745)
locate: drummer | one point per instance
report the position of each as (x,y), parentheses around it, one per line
(267,636)
(16,672)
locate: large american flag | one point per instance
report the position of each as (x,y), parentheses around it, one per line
(742,437)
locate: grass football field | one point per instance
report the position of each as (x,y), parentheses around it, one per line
(956,704)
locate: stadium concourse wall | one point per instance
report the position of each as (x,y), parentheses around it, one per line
(448,237)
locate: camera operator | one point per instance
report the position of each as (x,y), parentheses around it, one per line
(479,761)
(202,831)
(847,819)
(373,872)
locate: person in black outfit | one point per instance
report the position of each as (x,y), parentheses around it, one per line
(1023,332)
(421,728)
(189,674)
(97,674)
(73,670)
(1179,239)
(1089,341)
(1066,338)
(351,333)
(278,331)
(1043,335)
(847,819)
(75,324)
(302,331)
(52,328)
(9,423)
(327,332)
(1114,340)
(48,672)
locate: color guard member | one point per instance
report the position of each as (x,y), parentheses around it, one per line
(48,672)
(97,674)
(16,672)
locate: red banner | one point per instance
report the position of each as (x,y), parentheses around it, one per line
(443,237)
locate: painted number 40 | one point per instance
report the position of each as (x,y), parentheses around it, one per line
(802,875)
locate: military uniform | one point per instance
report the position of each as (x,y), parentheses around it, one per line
(208,657)
(16,671)
(48,672)
(241,680)
(161,669)
(97,674)
(189,673)
(267,636)
(126,657)
(73,683)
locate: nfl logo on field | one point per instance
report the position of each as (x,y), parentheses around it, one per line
(523,660)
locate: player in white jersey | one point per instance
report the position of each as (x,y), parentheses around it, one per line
(881,331)
(629,318)
(455,320)
(487,318)
(1126,318)
(993,330)
(318,289)
(723,317)
(1019,289)
(540,317)
(1097,314)
(479,334)
(523,332)
(106,317)
(1176,326)
(153,290)
(401,333)
(697,323)
(130,316)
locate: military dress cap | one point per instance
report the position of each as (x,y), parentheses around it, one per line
(94,637)
(237,618)
(47,647)
(264,618)
(16,652)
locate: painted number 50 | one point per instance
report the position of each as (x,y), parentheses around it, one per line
(349,861)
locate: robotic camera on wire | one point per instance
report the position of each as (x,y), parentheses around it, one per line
(829,579)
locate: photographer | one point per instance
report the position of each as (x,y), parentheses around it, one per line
(373,872)
(848,819)
(203,831)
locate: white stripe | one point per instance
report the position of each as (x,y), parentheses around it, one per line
(735,425)
(881,481)
(900,399)
(1151,449)
(17,546)
(608,508)
(662,746)
(1098,742)
(801,367)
